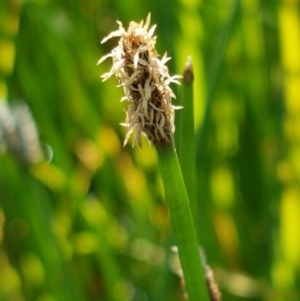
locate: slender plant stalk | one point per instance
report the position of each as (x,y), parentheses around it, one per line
(146,83)
(185,142)
(183,225)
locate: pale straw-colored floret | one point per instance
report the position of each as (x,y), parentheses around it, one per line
(145,80)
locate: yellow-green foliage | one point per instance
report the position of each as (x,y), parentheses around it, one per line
(89,221)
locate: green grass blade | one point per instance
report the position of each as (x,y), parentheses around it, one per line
(215,70)
(183,225)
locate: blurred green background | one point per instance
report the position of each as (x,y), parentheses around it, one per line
(90,222)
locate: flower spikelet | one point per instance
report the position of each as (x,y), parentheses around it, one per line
(145,80)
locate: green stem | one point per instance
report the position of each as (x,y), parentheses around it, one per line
(183,225)
(215,70)
(186,146)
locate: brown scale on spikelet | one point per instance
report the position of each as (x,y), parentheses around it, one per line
(146,82)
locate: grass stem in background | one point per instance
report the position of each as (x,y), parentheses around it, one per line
(215,69)
(186,146)
(183,225)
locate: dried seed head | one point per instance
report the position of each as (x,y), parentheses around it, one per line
(145,80)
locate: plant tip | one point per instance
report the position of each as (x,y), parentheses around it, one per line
(188,72)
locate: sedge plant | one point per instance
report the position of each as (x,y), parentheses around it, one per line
(145,80)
